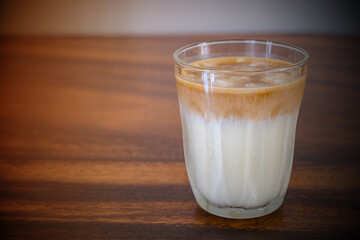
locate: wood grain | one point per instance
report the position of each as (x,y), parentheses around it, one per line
(91,148)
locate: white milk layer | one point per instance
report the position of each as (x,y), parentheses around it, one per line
(238,163)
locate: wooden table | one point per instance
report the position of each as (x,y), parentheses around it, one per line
(91,147)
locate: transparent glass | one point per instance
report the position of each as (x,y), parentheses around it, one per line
(239,102)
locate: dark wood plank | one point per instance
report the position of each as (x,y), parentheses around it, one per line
(90,143)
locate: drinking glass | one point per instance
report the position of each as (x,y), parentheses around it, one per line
(239,102)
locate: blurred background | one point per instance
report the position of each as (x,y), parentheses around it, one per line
(170,17)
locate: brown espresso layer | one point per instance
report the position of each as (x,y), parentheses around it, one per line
(254,103)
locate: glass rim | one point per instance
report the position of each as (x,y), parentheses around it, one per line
(200,44)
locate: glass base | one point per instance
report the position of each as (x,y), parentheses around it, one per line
(238,212)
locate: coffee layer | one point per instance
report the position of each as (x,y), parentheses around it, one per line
(255,103)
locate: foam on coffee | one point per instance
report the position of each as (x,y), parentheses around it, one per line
(239,133)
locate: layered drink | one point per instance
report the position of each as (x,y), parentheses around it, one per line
(239,119)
